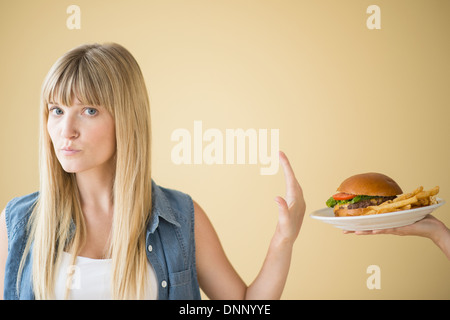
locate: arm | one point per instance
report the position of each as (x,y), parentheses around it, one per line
(217,277)
(442,239)
(3,251)
(429,227)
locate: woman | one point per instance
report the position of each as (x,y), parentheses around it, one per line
(100,227)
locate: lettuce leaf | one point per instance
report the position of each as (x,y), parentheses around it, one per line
(331,202)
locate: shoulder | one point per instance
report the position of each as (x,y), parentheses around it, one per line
(200,214)
(177,199)
(183,203)
(173,205)
(18,211)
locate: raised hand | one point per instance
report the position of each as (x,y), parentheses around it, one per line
(292,207)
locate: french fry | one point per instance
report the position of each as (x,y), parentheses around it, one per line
(407,207)
(417,198)
(433,200)
(370,212)
(429,193)
(386,210)
(419,189)
(408,195)
(397,204)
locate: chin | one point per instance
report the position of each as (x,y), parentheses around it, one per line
(71,169)
(72,166)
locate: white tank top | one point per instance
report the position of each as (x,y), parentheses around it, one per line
(91,279)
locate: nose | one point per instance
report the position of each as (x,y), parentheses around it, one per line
(69,128)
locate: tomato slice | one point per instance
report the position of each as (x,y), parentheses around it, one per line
(343,196)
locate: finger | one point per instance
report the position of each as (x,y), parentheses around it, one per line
(292,185)
(364,232)
(385,231)
(287,169)
(358,232)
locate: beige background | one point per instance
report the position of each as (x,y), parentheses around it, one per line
(346,100)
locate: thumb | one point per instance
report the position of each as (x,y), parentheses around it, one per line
(282,205)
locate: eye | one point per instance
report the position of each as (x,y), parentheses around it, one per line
(56,111)
(90,111)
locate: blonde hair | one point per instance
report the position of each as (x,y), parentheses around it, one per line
(109,76)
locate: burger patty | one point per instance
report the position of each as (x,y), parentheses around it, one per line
(369,202)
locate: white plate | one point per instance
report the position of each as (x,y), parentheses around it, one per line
(376,221)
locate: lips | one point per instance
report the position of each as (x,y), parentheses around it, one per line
(69,151)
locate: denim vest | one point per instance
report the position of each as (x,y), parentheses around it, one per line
(170,245)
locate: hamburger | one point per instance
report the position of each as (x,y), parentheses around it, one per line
(358,192)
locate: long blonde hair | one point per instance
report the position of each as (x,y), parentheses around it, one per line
(109,76)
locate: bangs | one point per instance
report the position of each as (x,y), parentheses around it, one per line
(72,78)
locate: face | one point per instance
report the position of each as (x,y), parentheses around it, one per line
(83,136)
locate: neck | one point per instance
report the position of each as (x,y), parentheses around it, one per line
(96,189)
